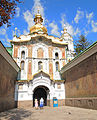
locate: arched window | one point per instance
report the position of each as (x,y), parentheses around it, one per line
(57,66)
(39,65)
(58,86)
(56,55)
(22,65)
(23,54)
(20,87)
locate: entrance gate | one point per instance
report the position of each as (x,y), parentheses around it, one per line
(41,91)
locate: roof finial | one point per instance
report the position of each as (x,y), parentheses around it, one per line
(64,30)
(15,32)
(38,18)
(38,11)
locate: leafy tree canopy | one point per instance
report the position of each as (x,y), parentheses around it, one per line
(81,44)
(7,10)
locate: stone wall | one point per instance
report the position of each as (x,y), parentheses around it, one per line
(61,102)
(29,103)
(90,103)
(81,83)
(8,77)
(25,104)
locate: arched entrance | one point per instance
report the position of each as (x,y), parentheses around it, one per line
(41,91)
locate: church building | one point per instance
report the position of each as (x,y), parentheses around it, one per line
(40,57)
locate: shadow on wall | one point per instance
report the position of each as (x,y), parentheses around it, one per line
(15,114)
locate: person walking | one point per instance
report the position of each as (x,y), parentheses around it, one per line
(41,103)
(36,103)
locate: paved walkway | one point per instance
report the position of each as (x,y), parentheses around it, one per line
(49,113)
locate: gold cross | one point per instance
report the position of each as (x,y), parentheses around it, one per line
(38,11)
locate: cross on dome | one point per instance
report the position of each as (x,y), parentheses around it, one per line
(38,11)
(38,27)
(38,18)
(64,30)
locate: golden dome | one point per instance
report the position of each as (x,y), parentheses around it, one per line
(38,27)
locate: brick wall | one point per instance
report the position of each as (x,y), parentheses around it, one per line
(8,77)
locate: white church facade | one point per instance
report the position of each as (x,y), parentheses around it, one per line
(40,58)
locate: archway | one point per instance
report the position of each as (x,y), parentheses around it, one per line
(41,91)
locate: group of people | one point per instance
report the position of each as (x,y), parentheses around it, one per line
(41,103)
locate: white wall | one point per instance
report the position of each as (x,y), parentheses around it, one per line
(27,92)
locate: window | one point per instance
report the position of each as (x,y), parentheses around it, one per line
(21,95)
(20,87)
(22,65)
(57,66)
(58,86)
(39,65)
(56,55)
(23,54)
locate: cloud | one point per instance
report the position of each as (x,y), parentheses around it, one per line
(12,24)
(17,12)
(2,40)
(7,39)
(54,30)
(79,15)
(76,32)
(2,31)
(38,6)
(7,44)
(71,30)
(86,32)
(29,15)
(63,20)
(89,16)
(16,32)
(94,26)
(25,32)
(13,33)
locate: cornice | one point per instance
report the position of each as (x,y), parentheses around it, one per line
(54,40)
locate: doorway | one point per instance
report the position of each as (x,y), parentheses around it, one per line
(40,92)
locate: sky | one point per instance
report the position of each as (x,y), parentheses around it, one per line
(78,16)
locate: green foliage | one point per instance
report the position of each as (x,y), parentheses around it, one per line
(7,10)
(81,44)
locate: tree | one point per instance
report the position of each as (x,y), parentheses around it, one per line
(7,10)
(81,44)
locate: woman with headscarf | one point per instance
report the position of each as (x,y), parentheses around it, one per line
(36,103)
(41,103)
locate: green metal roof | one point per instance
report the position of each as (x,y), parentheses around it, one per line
(9,49)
